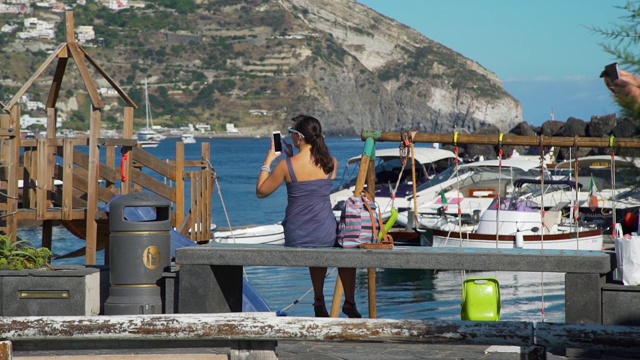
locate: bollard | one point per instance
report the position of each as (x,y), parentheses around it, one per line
(139,253)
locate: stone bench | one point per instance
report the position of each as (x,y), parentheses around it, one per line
(210,278)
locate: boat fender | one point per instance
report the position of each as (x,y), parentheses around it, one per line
(519,240)
(390,222)
(123,162)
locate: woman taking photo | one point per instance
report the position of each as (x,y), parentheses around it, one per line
(309,220)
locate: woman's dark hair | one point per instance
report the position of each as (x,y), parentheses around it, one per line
(312,130)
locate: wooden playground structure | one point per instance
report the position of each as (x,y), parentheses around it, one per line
(49,181)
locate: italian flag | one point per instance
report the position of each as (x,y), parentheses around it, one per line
(593,198)
(443,200)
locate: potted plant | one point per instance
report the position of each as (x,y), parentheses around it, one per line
(30,285)
(21,255)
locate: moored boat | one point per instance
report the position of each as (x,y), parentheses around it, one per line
(260,234)
(517,223)
(391,178)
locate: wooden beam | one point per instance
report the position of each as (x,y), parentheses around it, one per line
(261,326)
(33,78)
(507,139)
(152,184)
(78,57)
(105,172)
(158,165)
(54,90)
(112,82)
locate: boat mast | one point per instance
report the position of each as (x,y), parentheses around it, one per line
(147,107)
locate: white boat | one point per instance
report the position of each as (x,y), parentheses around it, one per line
(260,234)
(188,138)
(624,197)
(468,190)
(147,136)
(148,143)
(514,222)
(389,176)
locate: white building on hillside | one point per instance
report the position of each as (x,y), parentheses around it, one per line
(231,129)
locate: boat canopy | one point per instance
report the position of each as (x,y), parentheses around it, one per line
(423,155)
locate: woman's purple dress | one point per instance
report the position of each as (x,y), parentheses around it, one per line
(309,220)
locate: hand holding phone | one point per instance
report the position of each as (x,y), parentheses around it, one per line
(277,142)
(611,71)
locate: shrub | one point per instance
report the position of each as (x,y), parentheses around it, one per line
(20,255)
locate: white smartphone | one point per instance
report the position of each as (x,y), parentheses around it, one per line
(277,142)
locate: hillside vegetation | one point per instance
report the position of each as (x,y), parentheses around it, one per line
(257,63)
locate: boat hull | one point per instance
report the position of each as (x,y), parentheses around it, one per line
(585,240)
(266,234)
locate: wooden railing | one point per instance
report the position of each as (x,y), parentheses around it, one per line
(50,183)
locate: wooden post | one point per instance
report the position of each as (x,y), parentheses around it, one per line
(208,182)
(371,272)
(180,183)
(5,152)
(127,133)
(13,166)
(67,179)
(92,188)
(50,154)
(365,161)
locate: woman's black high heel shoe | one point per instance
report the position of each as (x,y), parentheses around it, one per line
(349,309)
(319,308)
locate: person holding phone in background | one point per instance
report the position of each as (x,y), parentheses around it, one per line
(309,220)
(624,85)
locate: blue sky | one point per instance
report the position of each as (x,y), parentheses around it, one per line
(542,50)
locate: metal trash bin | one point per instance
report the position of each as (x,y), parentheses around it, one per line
(139,253)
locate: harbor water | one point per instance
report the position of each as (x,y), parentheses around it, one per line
(401,294)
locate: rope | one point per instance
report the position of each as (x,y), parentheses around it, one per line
(576,213)
(500,153)
(542,215)
(403,160)
(456,151)
(614,221)
(283,311)
(224,207)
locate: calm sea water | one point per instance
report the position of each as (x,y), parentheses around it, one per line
(401,294)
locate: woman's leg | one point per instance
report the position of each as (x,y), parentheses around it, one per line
(348,279)
(318,275)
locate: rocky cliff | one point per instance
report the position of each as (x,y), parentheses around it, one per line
(396,78)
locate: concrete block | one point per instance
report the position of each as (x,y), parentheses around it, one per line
(66,291)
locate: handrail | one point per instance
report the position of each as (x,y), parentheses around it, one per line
(47,163)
